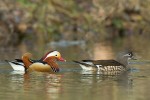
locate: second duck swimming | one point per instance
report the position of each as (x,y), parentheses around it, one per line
(120,64)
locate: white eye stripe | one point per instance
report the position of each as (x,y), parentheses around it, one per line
(129,54)
(52,54)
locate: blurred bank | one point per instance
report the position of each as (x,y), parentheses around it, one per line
(42,25)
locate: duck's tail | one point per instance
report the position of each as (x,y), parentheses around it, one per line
(17,64)
(26,60)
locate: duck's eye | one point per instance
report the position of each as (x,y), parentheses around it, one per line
(129,54)
(56,55)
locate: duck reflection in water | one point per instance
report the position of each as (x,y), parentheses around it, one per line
(48,83)
(96,77)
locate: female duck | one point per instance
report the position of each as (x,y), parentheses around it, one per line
(108,65)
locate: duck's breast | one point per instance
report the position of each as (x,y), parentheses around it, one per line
(40,67)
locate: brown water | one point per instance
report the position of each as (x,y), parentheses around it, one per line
(72,83)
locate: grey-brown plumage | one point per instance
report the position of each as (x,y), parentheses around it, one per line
(107,65)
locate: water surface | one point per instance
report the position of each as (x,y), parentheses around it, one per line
(72,83)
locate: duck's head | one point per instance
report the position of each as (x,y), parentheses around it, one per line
(55,54)
(123,57)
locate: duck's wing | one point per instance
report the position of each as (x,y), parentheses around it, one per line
(87,64)
(20,62)
(34,61)
(107,63)
(53,65)
(16,62)
(110,62)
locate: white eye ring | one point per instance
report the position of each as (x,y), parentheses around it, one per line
(129,54)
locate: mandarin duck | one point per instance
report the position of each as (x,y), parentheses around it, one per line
(120,64)
(21,64)
(47,65)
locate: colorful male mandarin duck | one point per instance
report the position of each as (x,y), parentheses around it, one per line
(45,64)
(108,65)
